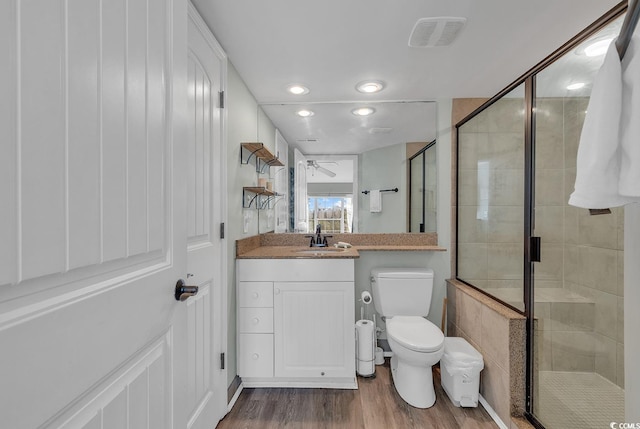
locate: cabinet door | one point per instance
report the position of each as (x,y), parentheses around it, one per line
(255,320)
(255,294)
(255,355)
(314,329)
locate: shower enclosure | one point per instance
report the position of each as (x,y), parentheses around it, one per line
(519,241)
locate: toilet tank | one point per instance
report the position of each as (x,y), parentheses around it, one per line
(402,291)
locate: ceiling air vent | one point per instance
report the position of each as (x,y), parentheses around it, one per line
(439,31)
(309,140)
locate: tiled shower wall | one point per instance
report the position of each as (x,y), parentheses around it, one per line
(579,282)
(490,216)
(581,325)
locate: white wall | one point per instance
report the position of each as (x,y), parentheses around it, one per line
(243,126)
(384,168)
(440,262)
(265,219)
(631,305)
(245,123)
(631,313)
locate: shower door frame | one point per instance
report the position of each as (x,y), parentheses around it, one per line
(531,246)
(422,153)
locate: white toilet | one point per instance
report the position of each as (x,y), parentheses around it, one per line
(403,296)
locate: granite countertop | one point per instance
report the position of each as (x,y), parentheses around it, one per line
(400,248)
(299,252)
(296,246)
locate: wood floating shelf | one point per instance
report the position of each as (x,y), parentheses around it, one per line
(259,190)
(258,150)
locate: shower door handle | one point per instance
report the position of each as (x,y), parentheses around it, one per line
(534,249)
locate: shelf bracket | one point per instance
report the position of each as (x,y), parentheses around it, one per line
(248,206)
(249,157)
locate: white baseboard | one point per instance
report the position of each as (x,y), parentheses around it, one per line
(302,383)
(236,395)
(492,413)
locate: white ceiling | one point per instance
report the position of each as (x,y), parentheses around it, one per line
(331,45)
(333,129)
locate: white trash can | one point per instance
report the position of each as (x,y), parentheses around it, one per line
(460,368)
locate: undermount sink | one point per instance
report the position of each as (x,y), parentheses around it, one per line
(319,251)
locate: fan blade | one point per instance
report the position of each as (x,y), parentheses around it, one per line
(325,171)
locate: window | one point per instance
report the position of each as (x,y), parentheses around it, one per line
(333,213)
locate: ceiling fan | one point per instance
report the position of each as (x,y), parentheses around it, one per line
(314,164)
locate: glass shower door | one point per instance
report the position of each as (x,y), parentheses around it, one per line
(490,205)
(578,369)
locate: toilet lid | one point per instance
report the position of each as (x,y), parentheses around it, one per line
(415,333)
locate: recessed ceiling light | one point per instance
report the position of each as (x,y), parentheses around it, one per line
(370,86)
(597,48)
(575,86)
(304,113)
(363,111)
(298,89)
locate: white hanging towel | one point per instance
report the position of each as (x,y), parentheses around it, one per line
(598,162)
(375,201)
(599,155)
(629,184)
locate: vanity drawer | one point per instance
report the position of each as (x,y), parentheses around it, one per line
(255,355)
(255,320)
(255,294)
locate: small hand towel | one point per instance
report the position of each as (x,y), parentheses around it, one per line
(598,162)
(375,201)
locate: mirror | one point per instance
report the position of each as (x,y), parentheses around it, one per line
(377,148)
(422,188)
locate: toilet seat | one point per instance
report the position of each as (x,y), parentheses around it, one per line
(415,333)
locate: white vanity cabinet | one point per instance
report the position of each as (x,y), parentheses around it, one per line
(255,328)
(296,322)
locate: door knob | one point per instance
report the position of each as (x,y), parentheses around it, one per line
(183,291)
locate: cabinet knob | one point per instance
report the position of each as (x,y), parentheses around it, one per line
(255,356)
(255,295)
(277,291)
(255,320)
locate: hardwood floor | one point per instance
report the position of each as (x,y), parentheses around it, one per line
(376,404)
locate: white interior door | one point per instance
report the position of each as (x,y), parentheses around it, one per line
(301,205)
(206,312)
(93,213)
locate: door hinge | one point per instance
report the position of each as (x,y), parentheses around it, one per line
(221,360)
(221,94)
(222,230)
(535,249)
